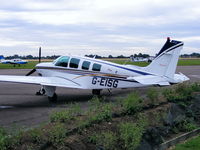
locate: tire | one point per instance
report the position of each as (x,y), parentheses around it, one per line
(41,92)
(96,92)
(53,98)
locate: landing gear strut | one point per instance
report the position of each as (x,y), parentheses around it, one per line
(53,98)
(41,91)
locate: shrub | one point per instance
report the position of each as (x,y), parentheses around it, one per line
(61,116)
(195,87)
(187,126)
(106,139)
(16,138)
(96,113)
(95,103)
(132,103)
(131,135)
(181,94)
(103,113)
(66,115)
(153,94)
(36,135)
(142,121)
(57,134)
(3,139)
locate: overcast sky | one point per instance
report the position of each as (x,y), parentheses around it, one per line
(99,27)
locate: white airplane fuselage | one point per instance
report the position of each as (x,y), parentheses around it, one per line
(110,75)
(90,73)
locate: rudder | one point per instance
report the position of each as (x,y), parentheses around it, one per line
(166,60)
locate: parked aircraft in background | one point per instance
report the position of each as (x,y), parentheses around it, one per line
(141,59)
(90,73)
(16,61)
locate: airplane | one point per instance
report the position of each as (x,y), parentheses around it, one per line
(16,61)
(89,73)
(141,59)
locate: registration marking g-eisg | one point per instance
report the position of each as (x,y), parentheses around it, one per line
(106,82)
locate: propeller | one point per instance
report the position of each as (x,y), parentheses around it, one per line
(33,70)
(39,54)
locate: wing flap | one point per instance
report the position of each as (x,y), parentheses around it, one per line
(49,81)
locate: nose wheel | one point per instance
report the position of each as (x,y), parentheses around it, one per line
(41,92)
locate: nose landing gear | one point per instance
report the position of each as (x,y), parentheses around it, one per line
(49,91)
(41,92)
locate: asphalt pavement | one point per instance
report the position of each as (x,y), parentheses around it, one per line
(20,107)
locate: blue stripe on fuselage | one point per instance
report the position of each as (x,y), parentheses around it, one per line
(139,72)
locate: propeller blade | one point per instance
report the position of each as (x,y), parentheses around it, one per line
(39,54)
(31,72)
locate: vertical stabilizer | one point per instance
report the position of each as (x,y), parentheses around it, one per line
(166,60)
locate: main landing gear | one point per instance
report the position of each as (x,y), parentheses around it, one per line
(96,92)
(53,98)
(49,91)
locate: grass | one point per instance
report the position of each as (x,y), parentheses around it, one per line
(181,93)
(31,64)
(106,139)
(66,115)
(181,62)
(122,132)
(153,95)
(131,133)
(132,103)
(188,62)
(57,134)
(193,144)
(3,139)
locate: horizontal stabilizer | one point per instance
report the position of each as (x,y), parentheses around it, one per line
(150,80)
(179,78)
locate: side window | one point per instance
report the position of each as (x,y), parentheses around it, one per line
(74,63)
(62,61)
(86,65)
(96,67)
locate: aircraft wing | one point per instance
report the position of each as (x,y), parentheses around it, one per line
(48,81)
(150,80)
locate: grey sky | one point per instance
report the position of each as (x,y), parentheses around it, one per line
(100,27)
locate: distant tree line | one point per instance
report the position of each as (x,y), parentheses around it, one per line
(96,56)
(120,56)
(191,55)
(32,57)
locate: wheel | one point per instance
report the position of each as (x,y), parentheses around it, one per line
(41,92)
(53,98)
(96,92)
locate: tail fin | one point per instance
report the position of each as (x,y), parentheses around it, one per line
(166,60)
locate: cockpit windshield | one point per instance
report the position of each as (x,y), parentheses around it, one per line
(62,61)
